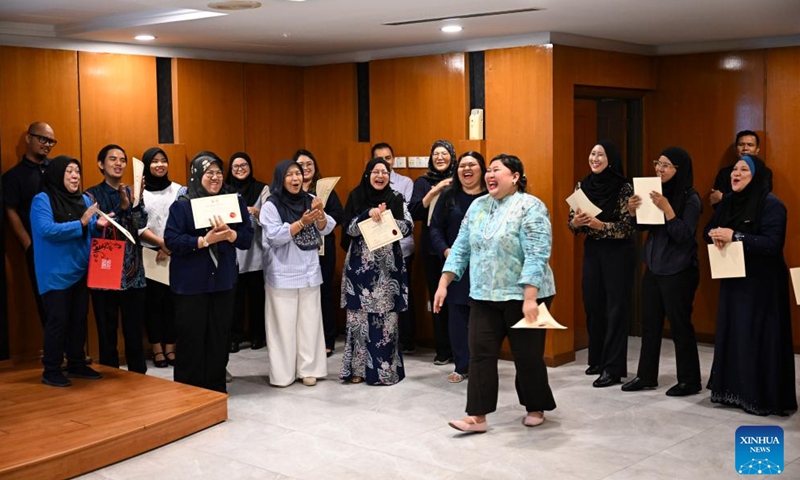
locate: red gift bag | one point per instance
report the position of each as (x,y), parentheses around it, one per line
(105,264)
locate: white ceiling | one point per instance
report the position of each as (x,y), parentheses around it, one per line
(327,31)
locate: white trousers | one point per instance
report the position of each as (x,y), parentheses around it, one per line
(295,339)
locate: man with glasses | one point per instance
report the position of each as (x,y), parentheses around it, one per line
(404,185)
(20,184)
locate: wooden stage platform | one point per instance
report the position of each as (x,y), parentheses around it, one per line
(49,432)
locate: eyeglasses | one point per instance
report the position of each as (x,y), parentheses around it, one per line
(441,154)
(663,165)
(240,168)
(305,165)
(213,174)
(44,140)
(378,173)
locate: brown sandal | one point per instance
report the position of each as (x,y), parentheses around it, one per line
(356,379)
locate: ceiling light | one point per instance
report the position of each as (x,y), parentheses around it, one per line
(451,28)
(144,38)
(234,5)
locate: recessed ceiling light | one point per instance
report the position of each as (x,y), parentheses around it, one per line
(234,5)
(451,28)
(144,38)
(295,0)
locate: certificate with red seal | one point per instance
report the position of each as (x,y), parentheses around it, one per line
(225,206)
(380,234)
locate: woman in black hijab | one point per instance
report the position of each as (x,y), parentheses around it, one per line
(374,283)
(294,224)
(159,193)
(427,188)
(250,285)
(60,221)
(753,365)
(202,274)
(609,259)
(327,258)
(671,275)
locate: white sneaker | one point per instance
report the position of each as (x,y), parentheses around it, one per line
(228,376)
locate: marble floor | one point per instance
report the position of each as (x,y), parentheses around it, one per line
(344,431)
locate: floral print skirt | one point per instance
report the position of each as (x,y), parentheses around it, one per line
(372,350)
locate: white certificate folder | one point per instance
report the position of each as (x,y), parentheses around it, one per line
(225,206)
(728,262)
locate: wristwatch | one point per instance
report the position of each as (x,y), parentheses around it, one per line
(738,236)
(205,242)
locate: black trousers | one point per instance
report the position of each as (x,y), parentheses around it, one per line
(608,270)
(204,325)
(407,318)
(489,324)
(673,296)
(441,335)
(327,264)
(249,294)
(107,305)
(160,314)
(65,328)
(35,285)
(458,319)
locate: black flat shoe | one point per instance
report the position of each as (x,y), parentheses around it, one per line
(171,358)
(638,384)
(606,380)
(593,371)
(234,347)
(684,389)
(258,343)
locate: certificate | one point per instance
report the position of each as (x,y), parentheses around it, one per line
(325,187)
(225,206)
(795,273)
(432,206)
(153,270)
(728,262)
(544,320)
(648,213)
(138,173)
(118,227)
(380,234)
(579,201)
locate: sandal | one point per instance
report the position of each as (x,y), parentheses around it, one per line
(456,377)
(356,379)
(159,363)
(170,360)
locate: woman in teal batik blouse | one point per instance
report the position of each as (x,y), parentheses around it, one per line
(506,240)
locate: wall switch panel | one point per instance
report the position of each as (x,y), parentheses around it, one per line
(399,162)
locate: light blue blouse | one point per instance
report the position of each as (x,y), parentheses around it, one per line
(507,245)
(285,264)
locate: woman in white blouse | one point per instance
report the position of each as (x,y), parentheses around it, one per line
(159,193)
(294,223)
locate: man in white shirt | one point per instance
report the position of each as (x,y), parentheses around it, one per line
(404,185)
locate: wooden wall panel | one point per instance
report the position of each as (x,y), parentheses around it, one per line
(414,102)
(519,121)
(35,85)
(701,102)
(330,108)
(208,106)
(585,139)
(594,68)
(118,105)
(782,107)
(274,113)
